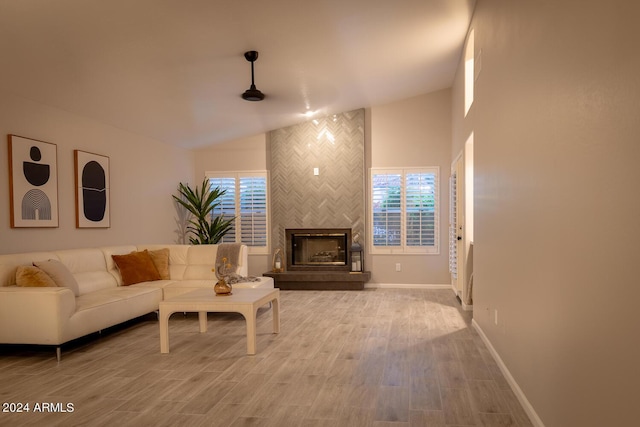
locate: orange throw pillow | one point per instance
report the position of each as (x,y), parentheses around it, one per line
(160,258)
(136,267)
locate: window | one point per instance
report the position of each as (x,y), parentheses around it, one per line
(469,73)
(246,200)
(405,210)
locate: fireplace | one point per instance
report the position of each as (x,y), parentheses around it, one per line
(318,249)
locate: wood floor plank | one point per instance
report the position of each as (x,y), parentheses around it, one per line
(330,400)
(457,407)
(372,358)
(393,404)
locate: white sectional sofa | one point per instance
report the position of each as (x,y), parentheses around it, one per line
(55,315)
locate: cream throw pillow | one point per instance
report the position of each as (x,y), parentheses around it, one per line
(29,276)
(60,274)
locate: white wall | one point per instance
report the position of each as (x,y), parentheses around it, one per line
(144,174)
(411,133)
(556,209)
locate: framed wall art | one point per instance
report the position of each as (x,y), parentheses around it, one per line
(92,190)
(33,182)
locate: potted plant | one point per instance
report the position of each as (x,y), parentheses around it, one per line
(200,202)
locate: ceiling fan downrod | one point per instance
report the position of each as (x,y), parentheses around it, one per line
(252,94)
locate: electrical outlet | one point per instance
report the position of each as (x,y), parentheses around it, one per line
(398,266)
(495,316)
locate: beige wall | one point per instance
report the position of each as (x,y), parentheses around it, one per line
(556,211)
(144,174)
(410,133)
(246,154)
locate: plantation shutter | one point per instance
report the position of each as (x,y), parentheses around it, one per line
(227,206)
(421,221)
(453,226)
(404,210)
(246,200)
(253,210)
(387,209)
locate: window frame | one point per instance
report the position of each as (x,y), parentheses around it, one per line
(237,175)
(404,248)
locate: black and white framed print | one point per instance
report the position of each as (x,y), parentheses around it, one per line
(92,190)
(33,182)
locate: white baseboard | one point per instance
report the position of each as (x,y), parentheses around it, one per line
(531,413)
(406,286)
(467,307)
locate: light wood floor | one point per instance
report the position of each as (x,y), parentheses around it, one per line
(400,357)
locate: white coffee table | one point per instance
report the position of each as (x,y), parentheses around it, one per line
(203,301)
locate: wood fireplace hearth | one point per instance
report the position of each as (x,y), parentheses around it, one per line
(319,280)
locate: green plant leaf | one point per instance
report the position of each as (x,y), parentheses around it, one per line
(200,202)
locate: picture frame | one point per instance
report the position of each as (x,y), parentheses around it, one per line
(92,190)
(33,183)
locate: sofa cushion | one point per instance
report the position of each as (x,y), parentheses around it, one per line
(89,268)
(136,267)
(30,276)
(60,274)
(107,307)
(177,258)
(200,262)
(160,258)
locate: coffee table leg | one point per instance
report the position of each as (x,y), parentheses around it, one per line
(202,318)
(163,320)
(250,317)
(276,315)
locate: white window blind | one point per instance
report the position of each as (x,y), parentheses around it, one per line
(246,200)
(253,210)
(227,204)
(420,209)
(453,234)
(387,209)
(405,210)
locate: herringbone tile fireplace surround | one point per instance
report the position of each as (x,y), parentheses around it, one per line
(335,197)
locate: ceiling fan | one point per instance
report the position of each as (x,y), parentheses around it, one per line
(252,94)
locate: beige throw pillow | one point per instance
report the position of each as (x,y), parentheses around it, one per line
(29,276)
(160,258)
(60,274)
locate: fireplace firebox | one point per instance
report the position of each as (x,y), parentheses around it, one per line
(318,249)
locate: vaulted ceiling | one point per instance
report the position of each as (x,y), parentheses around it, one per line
(174,70)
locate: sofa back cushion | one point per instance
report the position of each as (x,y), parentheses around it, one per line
(194,262)
(200,262)
(10,262)
(177,258)
(201,259)
(89,268)
(60,274)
